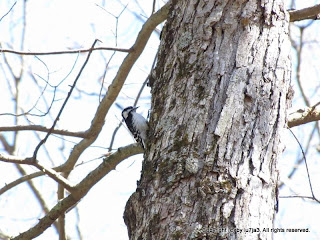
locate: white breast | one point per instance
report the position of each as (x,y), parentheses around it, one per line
(140,124)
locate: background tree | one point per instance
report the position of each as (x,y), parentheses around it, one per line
(39,82)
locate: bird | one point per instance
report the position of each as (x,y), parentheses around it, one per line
(137,124)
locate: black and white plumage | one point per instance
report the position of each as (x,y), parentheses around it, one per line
(136,123)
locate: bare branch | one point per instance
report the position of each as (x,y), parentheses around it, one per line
(47,220)
(20,180)
(306,13)
(108,164)
(14,159)
(104,75)
(38,174)
(307,168)
(27,177)
(65,52)
(298,161)
(303,116)
(56,176)
(117,83)
(14,86)
(116,43)
(139,16)
(61,219)
(153,6)
(297,196)
(40,128)
(50,172)
(64,103)
(8,11)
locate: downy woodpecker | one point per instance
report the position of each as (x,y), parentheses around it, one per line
(137,124)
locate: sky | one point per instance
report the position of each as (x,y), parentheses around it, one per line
(63,25)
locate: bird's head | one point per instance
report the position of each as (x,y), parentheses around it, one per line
(127,110)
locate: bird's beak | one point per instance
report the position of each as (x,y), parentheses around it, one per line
(135,108)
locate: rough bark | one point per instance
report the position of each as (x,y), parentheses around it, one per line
(218,109)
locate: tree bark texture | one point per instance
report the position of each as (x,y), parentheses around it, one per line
(219,99)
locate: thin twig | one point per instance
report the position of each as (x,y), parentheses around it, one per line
(19,181)
(28,177)
(64,103)
(78,229)
(300,160)
(54,175)
(114,135)
(8,11)
(66,51)
(139,16)
(104,76)
(108,164)
(297,196)
(40,128)
(50,172)
(306,13)
(305,160)
(153,6)
(116,43)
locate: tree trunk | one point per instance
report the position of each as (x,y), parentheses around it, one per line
(218,109)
